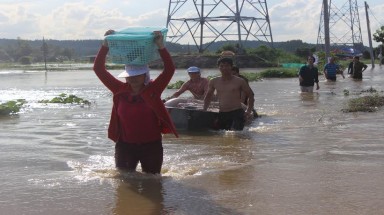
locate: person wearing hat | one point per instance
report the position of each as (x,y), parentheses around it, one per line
(197,85)
(228,89)
(138,116)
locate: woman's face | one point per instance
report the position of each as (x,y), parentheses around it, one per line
(136,80)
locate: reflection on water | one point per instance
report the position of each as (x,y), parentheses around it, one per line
(146,192)
(302,156)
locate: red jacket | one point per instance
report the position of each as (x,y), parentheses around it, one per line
(151,93)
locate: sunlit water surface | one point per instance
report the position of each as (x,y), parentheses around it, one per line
(303,156)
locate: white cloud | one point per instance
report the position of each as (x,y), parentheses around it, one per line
(295,20)
(89,19)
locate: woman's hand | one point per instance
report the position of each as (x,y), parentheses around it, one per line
(158,39)
(109,32)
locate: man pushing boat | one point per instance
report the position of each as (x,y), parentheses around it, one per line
(228,91)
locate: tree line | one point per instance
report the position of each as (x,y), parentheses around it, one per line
(34,51)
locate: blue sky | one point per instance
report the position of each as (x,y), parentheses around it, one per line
(89,19)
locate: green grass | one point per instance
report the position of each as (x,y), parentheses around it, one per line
(279,73)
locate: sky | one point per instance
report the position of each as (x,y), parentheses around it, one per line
(89,19)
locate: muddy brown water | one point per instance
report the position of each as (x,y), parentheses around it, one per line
(303,156)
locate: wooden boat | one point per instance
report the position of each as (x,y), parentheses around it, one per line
(192,119)
(188,114)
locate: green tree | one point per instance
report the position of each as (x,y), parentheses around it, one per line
(4,56)
(227,47)
(305,51)
(379,35)
(69,53)
(26,60)
(265,53)
(23,48)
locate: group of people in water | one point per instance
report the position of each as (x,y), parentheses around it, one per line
(139,116)
(309,73)
(234,98)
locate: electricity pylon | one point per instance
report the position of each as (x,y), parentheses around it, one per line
(344,25)
(204,22)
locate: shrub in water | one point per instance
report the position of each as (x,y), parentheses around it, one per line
(176,85)
(11,107)
(66,99)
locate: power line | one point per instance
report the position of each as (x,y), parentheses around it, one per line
(208,21)
(371,12)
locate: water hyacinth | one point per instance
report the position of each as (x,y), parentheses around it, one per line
(368,103)
(66,99)
(11,107)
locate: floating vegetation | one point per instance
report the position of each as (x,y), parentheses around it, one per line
(370,90)
(346,92)
(279,73)
(269,73)
(11,107)
(370,103)
(176,85)
(67,99)
(251,76)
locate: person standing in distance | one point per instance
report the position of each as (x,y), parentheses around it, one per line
(138,116)
(331,69)
(308,76)
(358,68)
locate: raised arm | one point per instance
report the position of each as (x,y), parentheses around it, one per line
(105,77)
(169,68)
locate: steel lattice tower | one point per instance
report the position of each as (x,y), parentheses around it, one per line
(344,26)
(207,21)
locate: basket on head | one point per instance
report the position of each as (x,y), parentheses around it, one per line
(134,45)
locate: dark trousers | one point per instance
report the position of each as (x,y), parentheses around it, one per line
(233,120)
(150,156)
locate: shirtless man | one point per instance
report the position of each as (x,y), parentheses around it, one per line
(197,85)
(228,91)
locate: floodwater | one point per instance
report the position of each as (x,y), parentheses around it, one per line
(303,156)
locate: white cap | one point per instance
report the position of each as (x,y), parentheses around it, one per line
(193,69)
(134,70)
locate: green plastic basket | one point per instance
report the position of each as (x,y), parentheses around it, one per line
(134,45)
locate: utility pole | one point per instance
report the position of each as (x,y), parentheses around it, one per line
(340,26)
(326,30)
(369,36)
(44,48)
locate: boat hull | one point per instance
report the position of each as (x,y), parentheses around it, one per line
(192,119)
